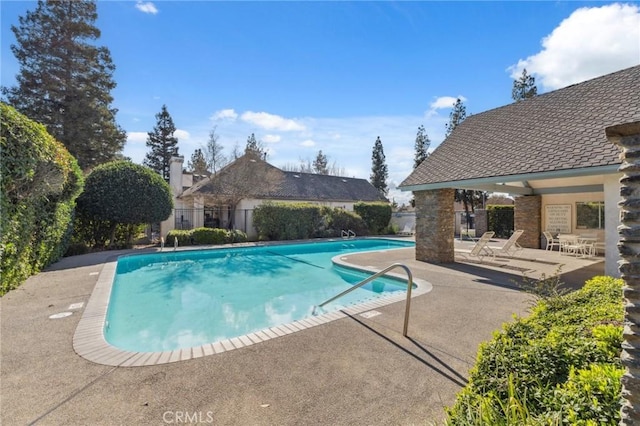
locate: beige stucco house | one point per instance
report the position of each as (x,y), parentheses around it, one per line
(227,199)
(550,152)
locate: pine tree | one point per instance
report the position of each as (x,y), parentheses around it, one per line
(456,116)
(524,87)
(198,164)
(421,146)
(213,153)
(255,147)
(379,172)
(65,81)
(320,164)
(162,143)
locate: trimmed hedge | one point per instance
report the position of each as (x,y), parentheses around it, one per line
(500,220)
(376,216)
(40,183)
(205,236)
(338,219)
(559,365)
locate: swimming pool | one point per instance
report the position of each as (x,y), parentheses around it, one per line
(178,300)
(199,302)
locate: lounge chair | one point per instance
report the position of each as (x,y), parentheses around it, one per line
(408,230)
(551,242)
(480,249)
(511,247)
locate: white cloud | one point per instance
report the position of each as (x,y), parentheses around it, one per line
(271,121)
(224,114)
(137,137)
(308,143)
(591,42)
(147,7)
(272,138)
(181,134)
(444,102)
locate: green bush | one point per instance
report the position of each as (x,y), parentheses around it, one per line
(205,236)
(337,220)
(500,220)
(376,216)
(40,183)
(210,236)
(562,362)
(287,221)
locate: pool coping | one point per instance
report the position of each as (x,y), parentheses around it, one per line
(89,341)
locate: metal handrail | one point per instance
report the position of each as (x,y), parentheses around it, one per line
(348,234)
(373,277)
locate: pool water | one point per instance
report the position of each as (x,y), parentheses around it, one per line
(172,300)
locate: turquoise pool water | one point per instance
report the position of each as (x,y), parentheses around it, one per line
(172,300)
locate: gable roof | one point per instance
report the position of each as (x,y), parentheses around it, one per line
(559,130)
(252,177)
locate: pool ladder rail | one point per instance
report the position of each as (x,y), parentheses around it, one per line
(373,277)
(348,234)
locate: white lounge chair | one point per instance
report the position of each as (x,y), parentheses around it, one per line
(480,249)
(511,247)
(408,230)
(551,242)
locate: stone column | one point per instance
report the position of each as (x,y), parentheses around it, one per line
(627,137)
(435,225)
(481,222)
(527,215)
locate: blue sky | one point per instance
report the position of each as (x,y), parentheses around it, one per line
(332,76)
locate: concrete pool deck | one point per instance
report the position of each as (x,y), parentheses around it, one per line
(355,370)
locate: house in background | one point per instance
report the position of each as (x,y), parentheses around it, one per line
(227,199)
(550,152)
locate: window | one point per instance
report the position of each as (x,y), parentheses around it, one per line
(590,215)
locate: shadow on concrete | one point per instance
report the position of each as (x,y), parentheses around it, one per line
(92,259)
(444,370)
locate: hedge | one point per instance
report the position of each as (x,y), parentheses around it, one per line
(559,365)
(204,236)
(376,216)
(40,183)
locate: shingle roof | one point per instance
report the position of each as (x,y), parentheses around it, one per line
(254,178)
(558,130)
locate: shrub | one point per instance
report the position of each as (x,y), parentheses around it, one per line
(237,236)
(339,219)
(562,362)
(287,221)
(376,216)
(210,236)
(500,220)
(121,192)
(39,186)
(183,236)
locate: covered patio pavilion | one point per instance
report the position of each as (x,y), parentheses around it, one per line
(550,152)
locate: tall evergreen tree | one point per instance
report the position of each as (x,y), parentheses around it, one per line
(65,80)
(320,164)
(255,147)
(163,144)
(379,171)
(456,116)
(198,163)
(421,146)
(524,87)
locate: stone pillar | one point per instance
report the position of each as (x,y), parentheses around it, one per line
(481,222)
(175,183)
(627,137)
(435,225)
(527,215)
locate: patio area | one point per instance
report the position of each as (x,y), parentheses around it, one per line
(357,370)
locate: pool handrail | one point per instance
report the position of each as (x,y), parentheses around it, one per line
(373,277)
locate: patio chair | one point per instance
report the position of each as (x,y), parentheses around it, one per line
(511,247)
(408,230)
(551,242)
(570,244)
(480,249)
